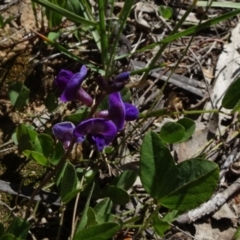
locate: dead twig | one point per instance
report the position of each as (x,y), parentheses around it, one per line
(211,206)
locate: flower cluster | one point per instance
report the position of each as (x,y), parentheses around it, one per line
(103,128)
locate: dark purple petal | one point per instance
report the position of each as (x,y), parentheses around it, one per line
(120,81)
(122,77)
(103,84)
(131,112)
(97,140)
(101,131)
(63,78)
(63,131)
(84,97)
(116,110)
(74,85)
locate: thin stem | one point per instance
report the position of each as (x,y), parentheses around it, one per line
(94,108)
(61,223)
(48,177)
(74,215)
(7,143)
(132,226)
(74,222)
(148,220)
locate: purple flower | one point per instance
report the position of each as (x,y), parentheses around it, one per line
(115,85)
(70,84)
(64,132)
(118,111)
(99,132)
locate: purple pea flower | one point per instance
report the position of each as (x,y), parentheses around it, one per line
(99,131)
(70,84)
(64,132)
(118,111)
(115,85)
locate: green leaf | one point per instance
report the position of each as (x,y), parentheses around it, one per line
(126,94)
(69,196)
(37,156)
(102,210)
(54,18)
(117,195)
(108,149)
(165,11)
(19,95)
(91,216)
(89,175)
(102,231)
(102,32)
(124,14)
(78,116)
(69,182)
(236,107)
(125,180)
(232,96)
(155,161)
(171,216)
(74,6)
(25,129)
(44,144)
(64,12)
(237,234)
(53,35)
(1,229)
(172,132)
(103,104)
(84,218)
(189,127)
(51,102)
(180,187)
(57,154)
(19,228)
(59,176)
(25,136)
(9,236)
(188,184)
(160,226)
(87,13)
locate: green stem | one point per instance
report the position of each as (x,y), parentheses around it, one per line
(94,108)
(148,220)
(132,220)
(102,31)
(74,219)
(60,223)
(132,226)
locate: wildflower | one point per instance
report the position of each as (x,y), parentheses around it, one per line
(118,111)
(70,84)
(99,131)
(115,85)
(64,132)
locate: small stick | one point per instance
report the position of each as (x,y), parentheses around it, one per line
(210,206)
